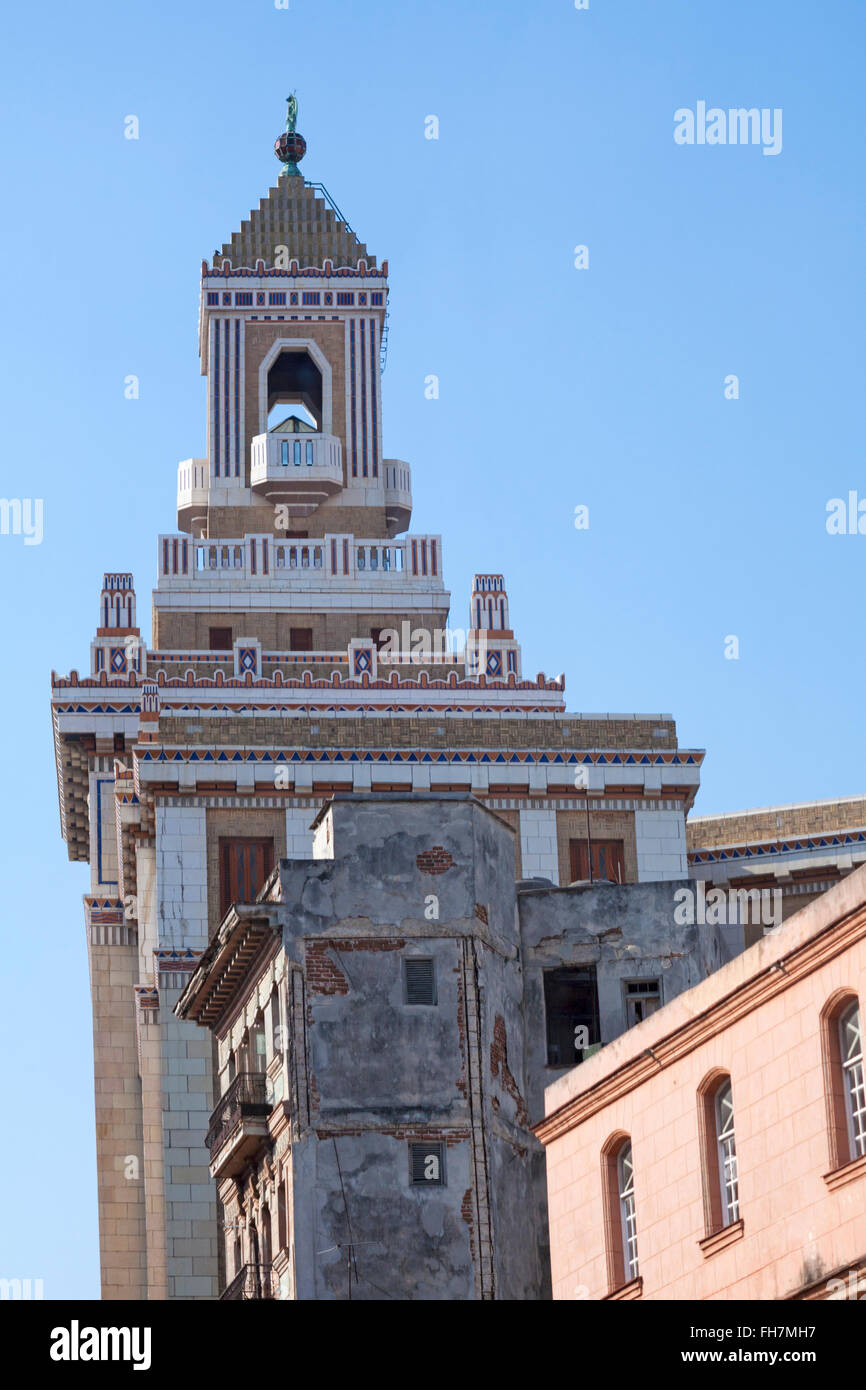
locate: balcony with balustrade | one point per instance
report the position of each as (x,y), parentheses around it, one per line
(296,470)
(239,1123)
(192,494)
(397,477)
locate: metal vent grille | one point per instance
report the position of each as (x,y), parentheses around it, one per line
(427,1165)
(420,980)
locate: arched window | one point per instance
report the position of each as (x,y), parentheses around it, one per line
(842,1046)
(851,1047)
(617,1170)
(720,1170)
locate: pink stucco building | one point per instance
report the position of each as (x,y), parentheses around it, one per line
(718,1149)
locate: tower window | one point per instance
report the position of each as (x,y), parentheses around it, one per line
(419,980)
(244,866)
(604,863)
(301,639)
(220,639)
(427,1165)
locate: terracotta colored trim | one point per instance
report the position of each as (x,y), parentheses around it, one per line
(849,1172)
(626,1292)
(728,1235)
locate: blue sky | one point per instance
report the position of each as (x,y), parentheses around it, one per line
(558,387)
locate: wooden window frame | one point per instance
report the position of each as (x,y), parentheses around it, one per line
(715,1206)
(614,1247)
(579,858)
(249,841)
(839,1131)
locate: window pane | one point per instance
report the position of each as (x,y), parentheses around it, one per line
(727,1151)
(851,1041)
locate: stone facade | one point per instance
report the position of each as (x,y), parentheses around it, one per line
(191,766)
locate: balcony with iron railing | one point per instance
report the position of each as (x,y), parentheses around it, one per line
(252,1281)
(239,1123)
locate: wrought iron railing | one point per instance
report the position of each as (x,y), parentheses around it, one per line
(253,1281)
(247,1095)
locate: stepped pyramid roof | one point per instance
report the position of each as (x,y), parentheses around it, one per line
(295,215)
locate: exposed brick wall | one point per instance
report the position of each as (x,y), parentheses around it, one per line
(323,974)
(499,1067)
(434,861)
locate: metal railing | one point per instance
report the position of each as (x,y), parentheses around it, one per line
(253,1281)
(247,1095)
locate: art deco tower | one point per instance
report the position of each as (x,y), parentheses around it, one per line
(294,654)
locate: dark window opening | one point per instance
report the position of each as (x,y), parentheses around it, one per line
(220,639)
(301,639)
(642,998)
(607,861)
(244,866)
(571,1010)
(295,380)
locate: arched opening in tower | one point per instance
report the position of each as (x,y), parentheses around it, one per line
(295,389)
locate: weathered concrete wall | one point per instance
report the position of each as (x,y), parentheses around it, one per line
(628,932)
(432,878)
(401,876)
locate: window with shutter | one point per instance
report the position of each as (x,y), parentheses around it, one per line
(427,1165)
(244,866)
(607,861)
(419,980)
